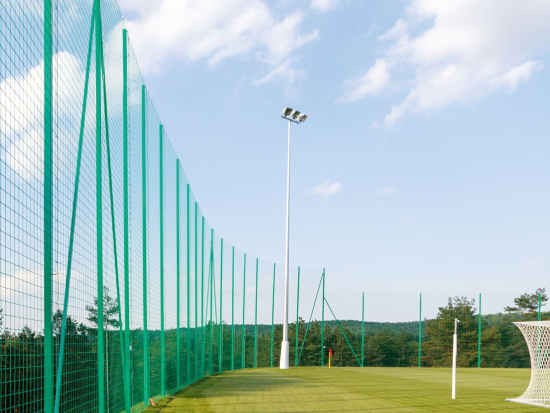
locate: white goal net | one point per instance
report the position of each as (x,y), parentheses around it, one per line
(537,336)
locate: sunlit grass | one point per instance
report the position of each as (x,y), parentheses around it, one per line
(385,389)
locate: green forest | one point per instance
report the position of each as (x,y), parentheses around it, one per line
(217,347)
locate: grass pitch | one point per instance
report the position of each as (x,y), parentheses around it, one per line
(370,389)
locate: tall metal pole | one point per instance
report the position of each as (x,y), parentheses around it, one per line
(479,335)
(420,332)
(48,209)
(284,346)
(363,333)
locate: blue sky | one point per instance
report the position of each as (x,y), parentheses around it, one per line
(423,163)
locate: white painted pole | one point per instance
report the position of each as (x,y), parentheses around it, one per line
(455,341)
(285,345)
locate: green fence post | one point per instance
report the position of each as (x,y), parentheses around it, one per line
(178,273)
(126,217)
(363,333)
(244,330)
(161,219)
(196,375)
(220,347)
(144,247)
(420,333)
(272,313)
(323,324)
(99,215)
(540,296)
(211,299)
(479,335)
(48,223)
(187,327)
(297,309)
(256,320)
(232,308)
(202,300)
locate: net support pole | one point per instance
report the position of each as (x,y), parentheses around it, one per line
(256,319)
(211,299)
(243,341)
(126,218)
(540,297)
(479,335)
(48,222)
(420,333)
(233,308)
(99,216)
(272,313)
(178,278)
(363,333)
(161,259)
(187,326)
(203,328)
(220,347)
(144,248)
(323,324)
(196,332)
(297,315)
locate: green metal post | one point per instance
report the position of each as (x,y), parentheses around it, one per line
(272,313)
(211,299)
(363,333)
(220,347)
(187,327)
(420,333)
(126,379)
(161,207)
(323,324)
(126,216)
(244,330)
(48,223)
(479,335)
(540,296)
(99,215)
(178,273)
(297,319)
(233,308)
(196,375)
(144,247)
(72,230)
(202,301)
(256,320)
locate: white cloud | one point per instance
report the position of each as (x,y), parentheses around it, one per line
(187,30)
(324,5)
(387,191)
(326,189)
(21,107)
(371,83)
(458,51)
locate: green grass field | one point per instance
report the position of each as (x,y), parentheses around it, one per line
(314,389)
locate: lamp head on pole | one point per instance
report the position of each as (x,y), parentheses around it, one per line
(293,115)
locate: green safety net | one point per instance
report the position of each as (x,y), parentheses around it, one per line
(115,289)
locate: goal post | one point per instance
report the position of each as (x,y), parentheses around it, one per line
(537,337)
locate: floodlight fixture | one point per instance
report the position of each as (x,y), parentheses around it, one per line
(293,115)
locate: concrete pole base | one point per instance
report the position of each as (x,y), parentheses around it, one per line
(284,355)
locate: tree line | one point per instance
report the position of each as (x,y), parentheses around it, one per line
(203,351)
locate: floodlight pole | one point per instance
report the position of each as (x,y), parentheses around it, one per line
(296,117)
(285,346)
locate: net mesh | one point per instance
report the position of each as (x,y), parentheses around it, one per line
(537,336)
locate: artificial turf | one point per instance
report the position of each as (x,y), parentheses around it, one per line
(369,389)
